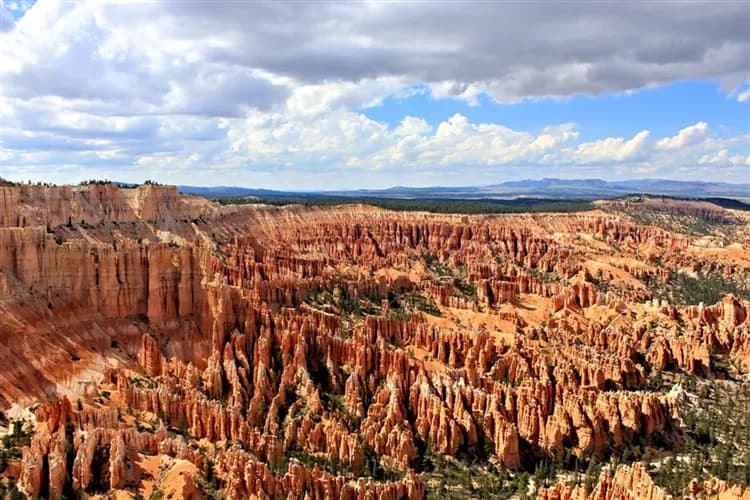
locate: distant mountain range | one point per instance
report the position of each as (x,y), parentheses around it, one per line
(539,188)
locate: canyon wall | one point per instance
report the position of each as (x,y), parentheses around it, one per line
(327,351)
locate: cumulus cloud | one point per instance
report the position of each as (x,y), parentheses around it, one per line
(89,57)
(507,50)
(349,138)
(613,149)
(411,126)
(685,137)
(173,87)
(354,140)
(723,157)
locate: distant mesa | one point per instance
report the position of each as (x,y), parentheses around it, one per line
(552,188)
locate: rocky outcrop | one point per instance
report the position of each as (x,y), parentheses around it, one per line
(91,459)
(51,206)
(627,483)
(296,351)
(149,356)
(633,482)
(248,478)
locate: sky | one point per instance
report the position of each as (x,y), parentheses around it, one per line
(311,95)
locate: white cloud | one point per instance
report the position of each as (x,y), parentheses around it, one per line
(613,149)
(185,88)
(686,137)
(723,157)
(314,100)
(411,126)
(352,139)
(458,51)
(282,138)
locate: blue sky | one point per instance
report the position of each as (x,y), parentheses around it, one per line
(370,95)
(17,8)
(665,109)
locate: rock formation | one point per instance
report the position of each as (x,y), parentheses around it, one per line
(328,352)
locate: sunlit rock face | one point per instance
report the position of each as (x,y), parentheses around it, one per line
(166,343)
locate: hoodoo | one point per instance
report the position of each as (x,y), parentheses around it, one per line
(154,342)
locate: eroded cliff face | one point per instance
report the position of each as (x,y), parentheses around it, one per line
(27,206)
(170,343)
(624,483)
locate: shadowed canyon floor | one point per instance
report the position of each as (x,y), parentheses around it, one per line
(156,345)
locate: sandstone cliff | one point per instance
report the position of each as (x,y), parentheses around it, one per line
(330,352)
